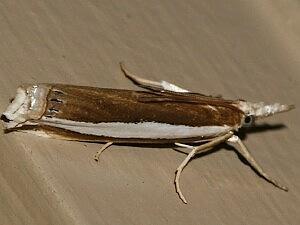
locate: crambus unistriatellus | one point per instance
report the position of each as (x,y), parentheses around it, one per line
(163,114)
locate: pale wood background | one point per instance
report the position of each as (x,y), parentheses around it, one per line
(240,49)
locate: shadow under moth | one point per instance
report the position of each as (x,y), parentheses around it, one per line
(162,114)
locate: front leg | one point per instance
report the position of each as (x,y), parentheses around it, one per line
(202,148)
(242,149)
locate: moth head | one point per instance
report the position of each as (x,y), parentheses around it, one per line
(259,110)
(28,104)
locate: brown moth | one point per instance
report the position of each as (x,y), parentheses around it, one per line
(165,113)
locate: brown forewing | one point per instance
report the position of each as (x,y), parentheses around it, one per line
(96,105)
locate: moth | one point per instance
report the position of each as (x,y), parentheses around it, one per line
(161,114)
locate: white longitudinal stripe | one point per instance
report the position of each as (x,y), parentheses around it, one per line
(172,87)
(212,107)
(151,130)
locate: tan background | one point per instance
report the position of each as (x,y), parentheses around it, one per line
(240,49)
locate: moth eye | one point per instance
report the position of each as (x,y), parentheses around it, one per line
(248,121)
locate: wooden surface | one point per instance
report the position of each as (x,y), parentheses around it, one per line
(240,49)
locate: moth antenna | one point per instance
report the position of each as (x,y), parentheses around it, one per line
(144,83)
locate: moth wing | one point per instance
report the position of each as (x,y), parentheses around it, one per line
(169,98)
(152,85)
(183,97)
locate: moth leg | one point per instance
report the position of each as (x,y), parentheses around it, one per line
(187,146)
(97,155)
(242,149)
(202,148)
(149,84)
(184,145)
